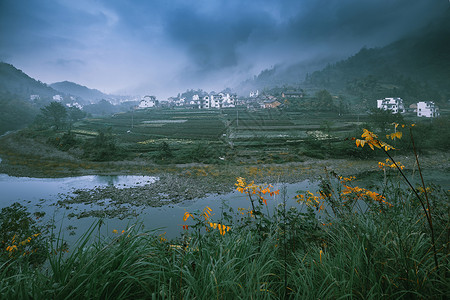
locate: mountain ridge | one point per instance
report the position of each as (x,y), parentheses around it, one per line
(421,59)
(15,82)
(81,91)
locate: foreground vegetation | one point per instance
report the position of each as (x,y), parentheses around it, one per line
(344,241)
(382,251)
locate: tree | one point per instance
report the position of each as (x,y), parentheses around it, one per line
(103,147)
(324,99)
(164,151)
(382,120)
(75,114)
(55,114)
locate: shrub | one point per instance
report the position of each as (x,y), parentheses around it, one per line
(103,147)
(21,237)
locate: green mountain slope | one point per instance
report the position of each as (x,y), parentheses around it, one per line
(416,67)
(16,108)
(15,113)
(15,82)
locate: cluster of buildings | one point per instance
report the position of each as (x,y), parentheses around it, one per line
(220,100)
(256,100)
(70,101)
(426,109)
(264,100)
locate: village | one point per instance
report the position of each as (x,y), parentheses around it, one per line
(254,101)
(216,101)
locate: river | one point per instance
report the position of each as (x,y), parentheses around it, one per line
(42,194)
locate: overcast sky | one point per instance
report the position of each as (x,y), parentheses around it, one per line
(162,47)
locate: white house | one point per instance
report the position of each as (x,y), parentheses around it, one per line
(427,109)
(206,102)
(180,101)
(57,98)
(35,97)
(147,102)
(74,104)
(228,100)
(393,104)
(216,101)
(254,94)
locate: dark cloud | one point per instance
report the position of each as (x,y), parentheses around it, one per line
(381,20)
(212,40)
(68,62)
(116,43)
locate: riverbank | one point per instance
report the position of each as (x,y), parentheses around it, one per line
(25,157)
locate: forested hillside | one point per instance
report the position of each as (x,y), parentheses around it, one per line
(15,82)
(415,68)
(77,90)
(15,113)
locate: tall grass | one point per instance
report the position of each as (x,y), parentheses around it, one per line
(383,252)
(362,256)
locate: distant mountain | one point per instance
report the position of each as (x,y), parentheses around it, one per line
(280,75)
(81,91)
(16,109)
(415,67)
(15,82)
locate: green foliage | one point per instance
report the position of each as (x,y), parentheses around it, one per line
(201,152)
(102,108)
(15,113)
(164,151)
(64,143)
(103,147)
(324,100)
(383,252)
(381,120)
(54,114)
(413,68)
(16,82)
(23,235)
(75,114)
(433,134)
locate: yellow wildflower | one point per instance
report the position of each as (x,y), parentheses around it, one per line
(186,216)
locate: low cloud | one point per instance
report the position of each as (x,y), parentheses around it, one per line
(112,45)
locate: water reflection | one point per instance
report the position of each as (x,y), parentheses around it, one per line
(40,194)
(168,219)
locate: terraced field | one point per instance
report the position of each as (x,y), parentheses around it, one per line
(239,133)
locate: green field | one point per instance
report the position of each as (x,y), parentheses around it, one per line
(237,132)
(237,135)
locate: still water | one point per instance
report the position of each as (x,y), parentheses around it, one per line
(41,194)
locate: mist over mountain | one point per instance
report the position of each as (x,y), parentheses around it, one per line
(77,90)
(280,75)
(421,60)
(416,66)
